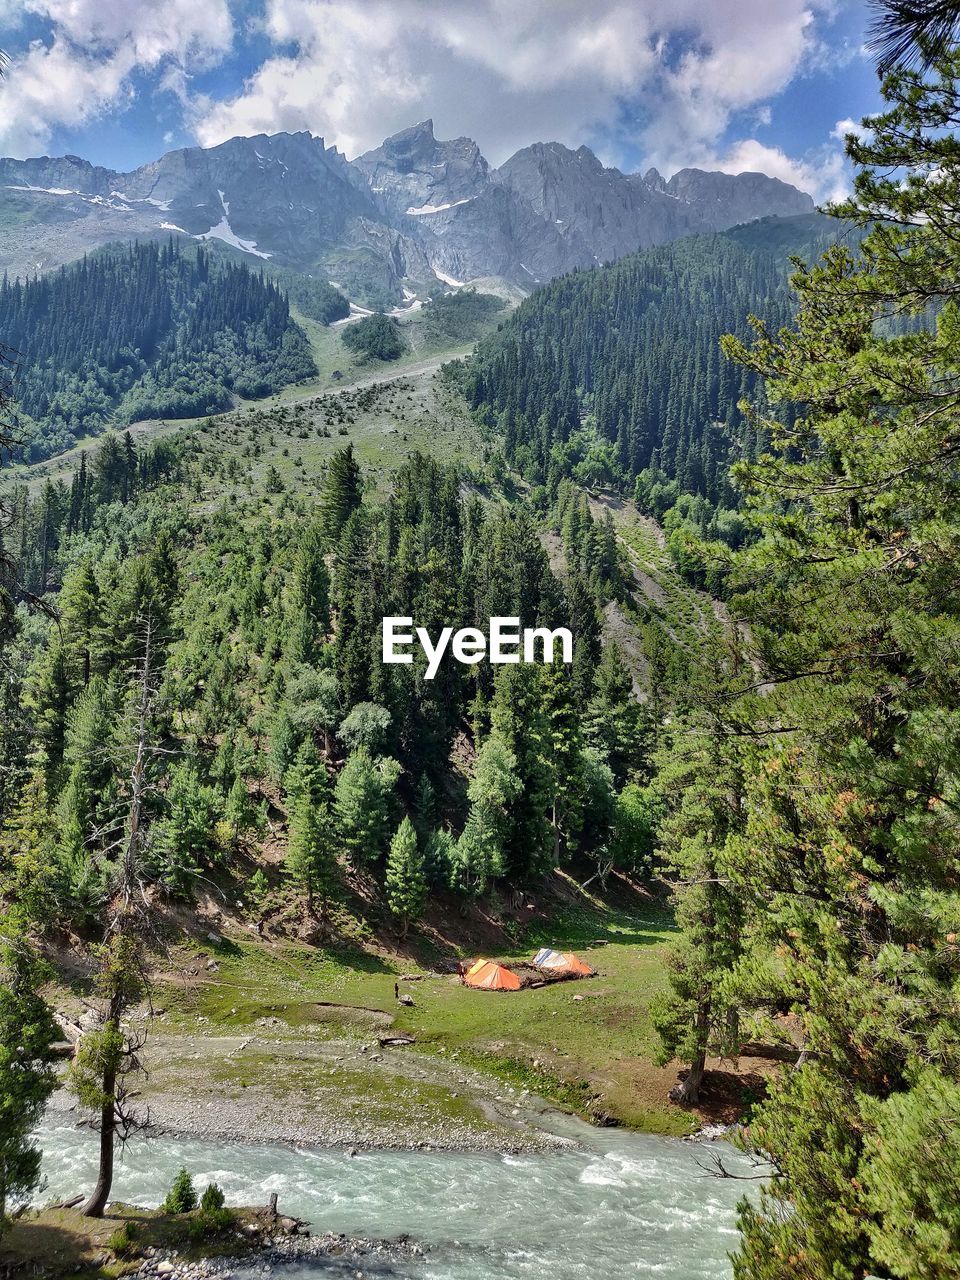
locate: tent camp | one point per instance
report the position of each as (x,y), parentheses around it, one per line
(490,976)
(562,962)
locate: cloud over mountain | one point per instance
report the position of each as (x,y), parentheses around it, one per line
(662,81)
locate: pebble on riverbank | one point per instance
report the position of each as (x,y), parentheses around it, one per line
(281,1250)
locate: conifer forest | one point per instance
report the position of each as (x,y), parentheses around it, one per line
(727,465)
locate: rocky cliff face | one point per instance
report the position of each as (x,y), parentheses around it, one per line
(413,210)
(413,175)
(600,213)
(722,200)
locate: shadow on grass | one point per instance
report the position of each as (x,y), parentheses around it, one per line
(591,933)
(628,915)
(42,1249)
(358,961)
(223,947)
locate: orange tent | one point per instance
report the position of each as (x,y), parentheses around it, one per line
(490,976)
(563,962)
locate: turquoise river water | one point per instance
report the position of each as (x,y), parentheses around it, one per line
(621,1205)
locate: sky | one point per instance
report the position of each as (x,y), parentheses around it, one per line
(764,85)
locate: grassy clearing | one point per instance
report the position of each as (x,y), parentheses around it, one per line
(428,419)
(586,1045)
(331,354)
(687,614)
(292,442)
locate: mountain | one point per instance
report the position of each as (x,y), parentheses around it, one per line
(286,198)
(414,174)
(603,214)
(399,218)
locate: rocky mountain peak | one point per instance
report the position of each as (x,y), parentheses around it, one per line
(741,197)
(416,207)
(413,174)
(416,135)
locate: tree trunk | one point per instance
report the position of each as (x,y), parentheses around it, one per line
(554,822)
(688,1095)
(101,1192)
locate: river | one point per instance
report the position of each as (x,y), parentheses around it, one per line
(622,1205)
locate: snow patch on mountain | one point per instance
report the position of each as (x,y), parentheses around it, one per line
(442,275)
(436,208)
(223,231)
(49,191)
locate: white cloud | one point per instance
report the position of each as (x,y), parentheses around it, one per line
(85,67)
(507,73)
(144,32)
(11,15)
(843,127)
(504,73)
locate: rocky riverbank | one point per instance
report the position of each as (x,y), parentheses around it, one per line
(341,1254)
(346,1094)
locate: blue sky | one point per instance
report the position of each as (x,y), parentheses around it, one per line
(732,84)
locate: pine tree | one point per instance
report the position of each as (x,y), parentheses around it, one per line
(701,779)
(424,805)
(88,808)
(616,722)
(185,833)
(479,856)
(519,717)
(405,884)
(239,813)
(438,857)
(311,852)
(309,612)
(849,865)
(283,740)
(108,1056)
(182,1196)
(341,494)
(79,612)
(27,1064)
(363,803)
(30,872)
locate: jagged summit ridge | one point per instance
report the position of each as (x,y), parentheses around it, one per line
(415,209)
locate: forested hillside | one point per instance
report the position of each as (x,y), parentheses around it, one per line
(143,331)
(605,373)
(198,726)
(267,655)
